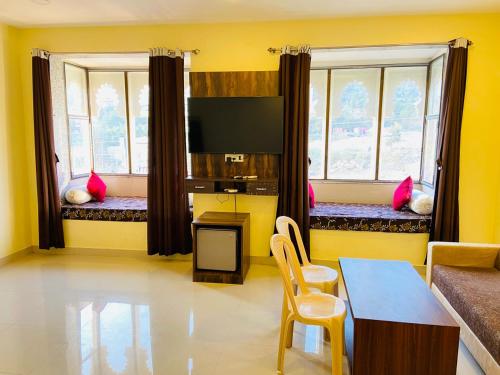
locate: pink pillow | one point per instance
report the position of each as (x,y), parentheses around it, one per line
(312,200)
(402,194)
(96,187)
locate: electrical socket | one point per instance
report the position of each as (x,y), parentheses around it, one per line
(234,158)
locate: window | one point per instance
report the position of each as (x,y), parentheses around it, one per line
(108,120)
(138,103)
(78,120)
(352,142)
(402,123)
(432,120)
(317,122)
(375,123)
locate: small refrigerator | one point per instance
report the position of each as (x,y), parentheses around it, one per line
(217,249)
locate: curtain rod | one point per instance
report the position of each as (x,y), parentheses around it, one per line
(195,51)
(278,50)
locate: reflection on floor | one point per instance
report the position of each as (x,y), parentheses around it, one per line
(109,315)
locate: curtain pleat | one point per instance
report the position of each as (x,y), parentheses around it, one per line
(293,200)
(445,216)
(169,219)
(50,229)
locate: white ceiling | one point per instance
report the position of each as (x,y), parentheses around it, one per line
(97,12)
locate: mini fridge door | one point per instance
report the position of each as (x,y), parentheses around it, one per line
(216,249)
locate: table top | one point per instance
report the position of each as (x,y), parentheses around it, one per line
(391,291)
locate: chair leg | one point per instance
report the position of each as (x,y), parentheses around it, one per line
(284,308)
(289,340)
(283,340)
(337,343)
(329,289)
(326,334)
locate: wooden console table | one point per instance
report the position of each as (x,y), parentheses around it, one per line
(394,324)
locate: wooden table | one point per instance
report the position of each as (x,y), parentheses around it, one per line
(394,324)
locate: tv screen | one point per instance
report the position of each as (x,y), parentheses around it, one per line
(242,125)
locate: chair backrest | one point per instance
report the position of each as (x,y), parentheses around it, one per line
(288,264)
(283,223)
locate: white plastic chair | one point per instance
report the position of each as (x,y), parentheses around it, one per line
(307,307)
(319,277)
(316,276)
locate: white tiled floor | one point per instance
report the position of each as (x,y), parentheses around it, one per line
(109,315)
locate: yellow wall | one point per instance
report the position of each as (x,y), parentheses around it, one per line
(15,233)
(243,47)
(105,235)
(332,244)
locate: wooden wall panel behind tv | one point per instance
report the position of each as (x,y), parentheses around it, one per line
(209,84)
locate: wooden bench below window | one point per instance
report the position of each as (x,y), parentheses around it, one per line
(367,217)
(112,209)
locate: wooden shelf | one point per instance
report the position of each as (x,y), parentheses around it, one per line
(217,185)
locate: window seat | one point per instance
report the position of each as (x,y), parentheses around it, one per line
(367,217)
(112,209)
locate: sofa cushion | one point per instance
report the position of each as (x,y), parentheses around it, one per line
(474,294)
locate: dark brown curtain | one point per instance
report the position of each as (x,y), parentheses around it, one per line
(293,200)
(445,216)
(50,229)
(168,212)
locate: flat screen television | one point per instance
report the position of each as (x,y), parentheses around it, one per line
(240,125)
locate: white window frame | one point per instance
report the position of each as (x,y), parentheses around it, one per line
(329,70)
(89,117)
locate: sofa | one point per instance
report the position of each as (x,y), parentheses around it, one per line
(466,279)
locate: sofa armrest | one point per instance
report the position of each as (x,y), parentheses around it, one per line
(460,254)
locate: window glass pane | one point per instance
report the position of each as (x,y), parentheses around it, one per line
(353,123)
(138,102)
(435,84)
(403,113)
(317,122)
(430,145)
(109,125)
(76,90)
(79,138)
(432,123)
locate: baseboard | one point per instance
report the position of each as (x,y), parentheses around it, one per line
(138,254)
(142,254)
(16,255)
(267,261)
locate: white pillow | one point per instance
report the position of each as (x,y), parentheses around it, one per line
(78,195)
(420,202)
